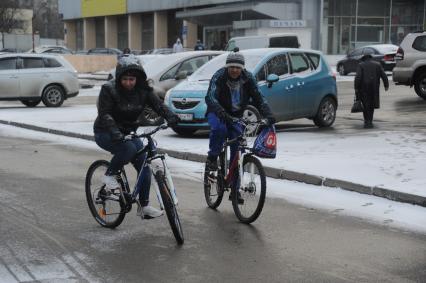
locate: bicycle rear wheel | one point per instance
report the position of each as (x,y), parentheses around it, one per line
(213,184)
(106,206)
(169,207)
(250,197)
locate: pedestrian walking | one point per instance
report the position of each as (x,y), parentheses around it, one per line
(177,47)
(367,86)
(199,46)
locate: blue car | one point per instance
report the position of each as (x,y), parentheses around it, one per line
(296,83)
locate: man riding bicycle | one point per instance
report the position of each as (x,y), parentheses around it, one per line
(230,91)
(121,104)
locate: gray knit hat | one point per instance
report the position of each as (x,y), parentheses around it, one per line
(235,59)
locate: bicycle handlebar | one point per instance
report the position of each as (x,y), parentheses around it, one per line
(148,134)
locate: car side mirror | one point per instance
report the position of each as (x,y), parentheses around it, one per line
(272,78)
(181,75)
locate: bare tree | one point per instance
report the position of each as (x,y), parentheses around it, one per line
(8,11)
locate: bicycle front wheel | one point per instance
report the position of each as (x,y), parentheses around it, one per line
(250,197)
(169,207)
(213,184)
(105,205)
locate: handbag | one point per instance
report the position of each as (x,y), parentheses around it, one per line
(357,106)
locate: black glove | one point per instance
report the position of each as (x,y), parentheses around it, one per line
(173,120)
(225,117)
(271,120)
(117,136)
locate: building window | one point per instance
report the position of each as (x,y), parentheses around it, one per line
(79,34)
(147,31)
(100,31)
(122,32)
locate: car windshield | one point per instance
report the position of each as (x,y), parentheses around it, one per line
(206,72)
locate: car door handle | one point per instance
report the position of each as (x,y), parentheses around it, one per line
(300,83)
(13,77)
(289,87)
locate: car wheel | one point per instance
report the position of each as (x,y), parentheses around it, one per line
(31,103)
(151,118)
(341,70)
(251,114)
(326,113)
(185,132)
(420,85)
(53,96)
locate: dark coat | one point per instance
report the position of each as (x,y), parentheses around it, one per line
(219,97)
(367,82)
(121,110)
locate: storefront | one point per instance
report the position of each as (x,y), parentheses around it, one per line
(348,24)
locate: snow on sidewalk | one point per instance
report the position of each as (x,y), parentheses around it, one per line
(393,160)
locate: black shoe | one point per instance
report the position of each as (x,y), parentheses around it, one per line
(368,125)
(240,199)
(211,165)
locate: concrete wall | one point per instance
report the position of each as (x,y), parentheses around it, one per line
(92,63)
(160,29)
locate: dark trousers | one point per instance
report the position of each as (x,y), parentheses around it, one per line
(123,153)
(368,115)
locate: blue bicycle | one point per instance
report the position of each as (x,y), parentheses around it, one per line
(109,207)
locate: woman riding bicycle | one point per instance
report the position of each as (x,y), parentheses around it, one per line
(120,105)
(230,90)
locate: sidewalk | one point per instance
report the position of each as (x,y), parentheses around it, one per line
(380,163)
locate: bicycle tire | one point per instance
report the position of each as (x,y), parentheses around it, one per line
(214,179)
(169,207)
(250,190)
(94,186)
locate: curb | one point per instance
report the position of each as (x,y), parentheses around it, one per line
(270,171)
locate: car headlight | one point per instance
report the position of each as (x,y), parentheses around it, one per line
(167,97)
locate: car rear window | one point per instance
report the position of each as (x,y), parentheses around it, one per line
(420,43)
(314,58)
(30,63)
(51,63)
(8,64)
(284,41)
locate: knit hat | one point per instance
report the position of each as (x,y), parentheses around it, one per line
(235,59)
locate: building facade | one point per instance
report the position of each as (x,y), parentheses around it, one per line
(333,26)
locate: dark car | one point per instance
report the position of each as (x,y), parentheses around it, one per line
(104,51)
(382,53)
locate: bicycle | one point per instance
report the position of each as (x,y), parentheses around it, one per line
(109,207)
(245,177)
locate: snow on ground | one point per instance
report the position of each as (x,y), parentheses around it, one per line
(369,208)
(392,160)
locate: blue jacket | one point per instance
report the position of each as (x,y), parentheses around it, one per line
(218,96)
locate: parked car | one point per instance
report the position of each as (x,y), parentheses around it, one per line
(56,49)
(166,71)
(296,83)
(382,53)
(104,51)
(8,50)
(31,78)
(143,59)
(411,63)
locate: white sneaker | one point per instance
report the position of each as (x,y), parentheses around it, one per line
(151,212)
(110,182)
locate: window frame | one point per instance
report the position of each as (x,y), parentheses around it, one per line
(10,58)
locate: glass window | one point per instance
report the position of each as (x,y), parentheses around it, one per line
(356,52)
(147,31)
(261,75)
(299,62)
(100,31)
(170,74)
(8,64)
(51,63)
(420,43)
(278,65)
(284,41)
(122,32)
(314,58)
(31,63)
(369,50)
(191,65)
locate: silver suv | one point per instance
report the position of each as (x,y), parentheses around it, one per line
(411,63)
(32,78)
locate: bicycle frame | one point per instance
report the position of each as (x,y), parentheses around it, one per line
(151,162)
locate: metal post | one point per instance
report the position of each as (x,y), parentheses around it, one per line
(356,24)
(390,22)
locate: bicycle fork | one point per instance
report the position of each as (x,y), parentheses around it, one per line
(159,164)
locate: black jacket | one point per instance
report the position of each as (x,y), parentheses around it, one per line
(121,110)
(218,96)
(367,82)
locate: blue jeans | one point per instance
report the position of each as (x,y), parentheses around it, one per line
(219,131)
(123,153)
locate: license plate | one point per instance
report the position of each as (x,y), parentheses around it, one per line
(185,116)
